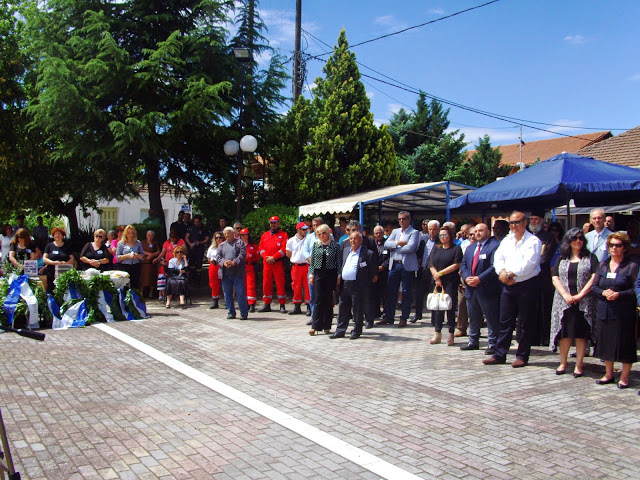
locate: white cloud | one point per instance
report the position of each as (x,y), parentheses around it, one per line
(394,108)
(575,39)
(378,122)
(370,94)
(309,87)
(281,26)
(635,78)
(437,11)
(508,136)
(390,23)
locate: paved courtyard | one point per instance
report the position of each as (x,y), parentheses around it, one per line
(189,394)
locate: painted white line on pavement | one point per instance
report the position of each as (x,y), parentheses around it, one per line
(334,444)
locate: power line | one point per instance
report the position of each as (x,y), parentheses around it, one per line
(418,26)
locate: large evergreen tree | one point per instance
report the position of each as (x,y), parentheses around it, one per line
(347,153)
(483,167)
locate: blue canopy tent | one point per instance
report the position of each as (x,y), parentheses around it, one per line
(554,182)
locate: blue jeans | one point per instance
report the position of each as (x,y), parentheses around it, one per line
(228,285)
(396,275)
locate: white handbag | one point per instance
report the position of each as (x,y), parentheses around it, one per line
(439,301)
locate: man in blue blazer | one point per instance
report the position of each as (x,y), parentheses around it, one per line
(402,245)
(358,270)
(483,288)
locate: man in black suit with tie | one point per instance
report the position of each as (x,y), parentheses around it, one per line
(357,272)
(483,288)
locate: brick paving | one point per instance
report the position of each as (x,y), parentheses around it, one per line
(83,405)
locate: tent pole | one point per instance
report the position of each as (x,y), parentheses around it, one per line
(380,212)
(361,214)
(448,201)
(553,214)
(568,211)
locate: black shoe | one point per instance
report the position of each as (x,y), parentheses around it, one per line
(369,325)
(230,316)
(489,351)
(354,336)
(243,317)
(283,310)
(414,319)
(385,322)
(622,386)
(214,304)
(296,309)
(252,309)
(560,372)
(308,314)
(470,346)
(309,322)
(605,382)
(336,335)
(578,375)
(265,308)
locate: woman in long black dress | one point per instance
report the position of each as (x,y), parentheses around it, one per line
(323,276)
(96,254)
(573,310)
(614,287)
(56,253)
(444,264)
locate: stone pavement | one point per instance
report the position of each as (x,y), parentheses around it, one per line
(85,405)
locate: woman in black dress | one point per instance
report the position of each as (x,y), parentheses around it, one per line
(614,287)
(96,254)
(444,264)
(56,253)
(21,248)
(573,310)
(323,276)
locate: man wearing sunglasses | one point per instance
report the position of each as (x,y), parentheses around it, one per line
(517,263)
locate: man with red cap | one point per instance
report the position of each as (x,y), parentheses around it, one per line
(299,268)
(252,259)
(272,250)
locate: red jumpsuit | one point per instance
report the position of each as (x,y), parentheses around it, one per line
(250,278)
(273,245)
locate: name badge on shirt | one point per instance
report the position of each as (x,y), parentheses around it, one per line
(384,252)
(99,252)
(363,264)
(56,252)
(482,256)
(611,275)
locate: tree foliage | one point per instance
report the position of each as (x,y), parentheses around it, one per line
(346,151)
(483,167)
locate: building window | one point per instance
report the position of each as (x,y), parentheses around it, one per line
(108,217)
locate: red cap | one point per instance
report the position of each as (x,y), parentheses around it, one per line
(274,219)
(244,231)
(302,225)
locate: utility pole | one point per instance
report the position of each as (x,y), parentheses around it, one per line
(297,74)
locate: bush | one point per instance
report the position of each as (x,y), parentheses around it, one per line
(258,221)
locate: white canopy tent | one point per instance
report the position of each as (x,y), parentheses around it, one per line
(425,199)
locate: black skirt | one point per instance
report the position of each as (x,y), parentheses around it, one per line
(616,338)
(177,285)
(574,325)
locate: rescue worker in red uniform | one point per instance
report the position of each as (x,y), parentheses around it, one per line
(299,268)
(252,259)
(272,250)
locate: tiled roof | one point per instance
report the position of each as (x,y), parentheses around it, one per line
(543,149)
(623,149)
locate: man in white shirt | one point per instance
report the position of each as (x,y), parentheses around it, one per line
(517,263)
(299,267)
(597,238)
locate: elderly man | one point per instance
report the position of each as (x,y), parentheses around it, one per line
(424,280)
(403,263)
(517,263)
(299,268)
(231,257)
(597,238)
(483,288)
(380,288)
(610,223)
(358,270)
(272,250)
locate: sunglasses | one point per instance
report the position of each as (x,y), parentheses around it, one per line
(615,245)
(98,236)
(219,238)
(516,222)
(577,237)
(443,235)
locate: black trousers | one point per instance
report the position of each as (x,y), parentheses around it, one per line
(379,296)
(324,283)
(134,273)
(424,285)
(353,298)
(517,302)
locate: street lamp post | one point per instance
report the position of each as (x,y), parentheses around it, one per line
(247,144)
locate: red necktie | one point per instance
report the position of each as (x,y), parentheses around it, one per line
(475,260)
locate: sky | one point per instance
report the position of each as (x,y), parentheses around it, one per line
(573,64)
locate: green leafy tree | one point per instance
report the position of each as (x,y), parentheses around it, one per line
(483,167)
(347,152)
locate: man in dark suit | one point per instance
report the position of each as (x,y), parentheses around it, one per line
(358,270)
(542,330)
(424,278)
(380,287)
(482,288)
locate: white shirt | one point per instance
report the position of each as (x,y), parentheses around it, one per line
(597,243)
(350,267)
(522,258)
(295,245)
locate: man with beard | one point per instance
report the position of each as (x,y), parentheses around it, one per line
(540,332)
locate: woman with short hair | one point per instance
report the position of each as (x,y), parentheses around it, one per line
(573,309)
(129,254)
(323,276)
(214,280)
(177,282)
(57,252)
(613,286)
(96,254)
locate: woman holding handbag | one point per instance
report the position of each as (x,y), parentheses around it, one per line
(444,264)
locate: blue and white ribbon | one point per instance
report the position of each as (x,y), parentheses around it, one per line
(19,287)
(139,305)
(75,317)
(53,308)
(104,305)
(122,298)
(72,293)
